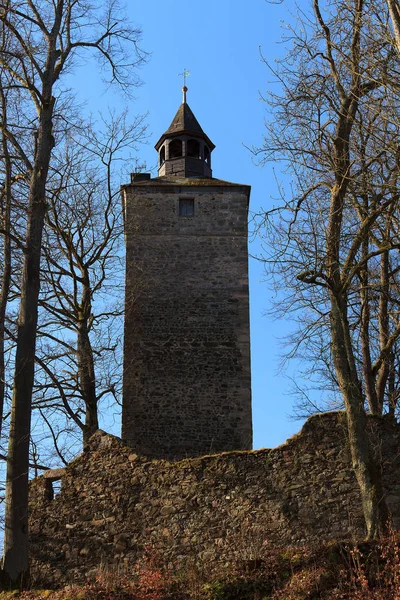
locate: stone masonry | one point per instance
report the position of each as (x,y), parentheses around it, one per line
(186,389)
(203,512)
(187,343)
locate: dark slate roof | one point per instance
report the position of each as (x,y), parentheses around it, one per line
(184,120)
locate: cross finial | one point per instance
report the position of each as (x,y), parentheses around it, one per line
(184,75)
(184,89)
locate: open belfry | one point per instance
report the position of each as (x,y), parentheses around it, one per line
(187,388)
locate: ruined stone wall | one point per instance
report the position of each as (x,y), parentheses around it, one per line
(203,511)
(187,341)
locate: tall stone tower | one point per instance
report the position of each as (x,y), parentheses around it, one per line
(186,389)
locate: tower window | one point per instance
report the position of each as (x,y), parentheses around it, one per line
(162,156)
(207,154)
(186,207)
(175,148)
(193,148)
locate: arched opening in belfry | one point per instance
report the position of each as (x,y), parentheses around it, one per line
(207,156)
(193,148)
(162,156)
(175,148)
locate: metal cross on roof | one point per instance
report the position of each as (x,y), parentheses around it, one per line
(184,75)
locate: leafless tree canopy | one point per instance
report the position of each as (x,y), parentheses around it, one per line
(40,42)
(333,239)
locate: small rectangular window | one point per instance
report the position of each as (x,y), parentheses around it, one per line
(186,207)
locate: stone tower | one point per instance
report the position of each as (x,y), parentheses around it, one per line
(186,389)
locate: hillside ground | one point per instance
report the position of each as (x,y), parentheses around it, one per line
(362,571)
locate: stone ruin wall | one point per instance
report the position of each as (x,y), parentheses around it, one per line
(202,511)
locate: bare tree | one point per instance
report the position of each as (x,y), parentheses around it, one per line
(335,240)
(394,11)
(83,274)
(5,208)
(42,40)
(15,169)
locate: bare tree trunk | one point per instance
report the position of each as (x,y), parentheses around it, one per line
(366,470)
(383,317)
(86,363)
(6,275)
(394,11)
(364,463)
(392,394)
(369,378)
(16,551)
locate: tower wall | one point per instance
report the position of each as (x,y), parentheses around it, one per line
(187,343)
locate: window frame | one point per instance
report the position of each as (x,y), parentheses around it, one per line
(186,201)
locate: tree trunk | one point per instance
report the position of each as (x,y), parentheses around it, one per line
(394,11)
(6,275)
(16,552)
(367,474)
(86,364)
(369,378)
(383,318)
(364,462)
(366,470)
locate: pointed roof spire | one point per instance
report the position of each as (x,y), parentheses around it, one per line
(184,120)
(184,149)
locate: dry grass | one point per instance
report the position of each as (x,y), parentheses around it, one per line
(367,571)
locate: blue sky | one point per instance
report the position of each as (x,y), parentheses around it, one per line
(219,42)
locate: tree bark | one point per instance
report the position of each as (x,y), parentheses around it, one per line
(16,551)
(6,275)
(394,11)
(369,379)
(366,471)
(86,363)
(383,318)
(364,463)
